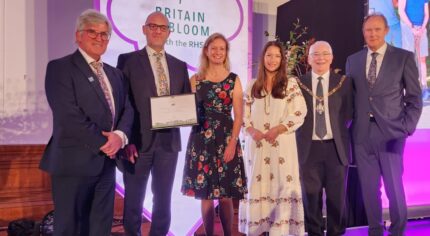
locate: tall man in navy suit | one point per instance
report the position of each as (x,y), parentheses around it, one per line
(323,142)
(151,72)
(92,120)
(387,106)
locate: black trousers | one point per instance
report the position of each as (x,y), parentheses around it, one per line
(323,170)
(83,205)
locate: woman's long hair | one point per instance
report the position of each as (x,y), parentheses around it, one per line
(204,60)
(279,83)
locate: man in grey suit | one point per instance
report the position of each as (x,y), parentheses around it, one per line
(387,106)
(323,142)
(151,72)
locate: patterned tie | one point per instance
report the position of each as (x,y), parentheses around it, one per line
(371,76)
(163,86)
(98,67)
(320,126)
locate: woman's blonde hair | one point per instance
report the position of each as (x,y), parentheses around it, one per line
(204,60)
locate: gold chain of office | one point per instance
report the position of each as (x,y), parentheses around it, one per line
(318,98)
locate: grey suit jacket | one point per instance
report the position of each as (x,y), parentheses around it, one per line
(395,100)
(340,113)
(137,69)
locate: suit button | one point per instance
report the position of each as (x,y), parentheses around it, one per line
(370,99)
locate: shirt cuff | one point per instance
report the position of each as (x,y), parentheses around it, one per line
(122,136)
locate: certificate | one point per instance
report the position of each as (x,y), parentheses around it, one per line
(173,111)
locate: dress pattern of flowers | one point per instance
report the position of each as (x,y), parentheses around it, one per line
(274,200)
(206,175)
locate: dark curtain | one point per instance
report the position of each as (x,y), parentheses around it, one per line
(335,21)
(338,22)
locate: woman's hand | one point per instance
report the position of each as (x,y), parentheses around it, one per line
(230,150)
(271,135)
(256,134)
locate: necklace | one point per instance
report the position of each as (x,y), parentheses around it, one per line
(318,98)
(267,104)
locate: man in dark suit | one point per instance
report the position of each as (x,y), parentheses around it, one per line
(323,141)
(151,72)
(387,106)
(92,118)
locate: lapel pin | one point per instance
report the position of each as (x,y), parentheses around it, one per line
(91,79)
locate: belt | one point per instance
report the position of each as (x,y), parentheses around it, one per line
(323,141)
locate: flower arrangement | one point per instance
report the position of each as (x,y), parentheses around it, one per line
(296,49)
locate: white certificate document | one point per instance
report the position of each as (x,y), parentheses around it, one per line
(173,111)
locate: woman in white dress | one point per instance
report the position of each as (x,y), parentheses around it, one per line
(274,109)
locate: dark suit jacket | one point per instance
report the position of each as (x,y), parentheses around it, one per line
(80,114)
(137,69)
(340,112)
(395,100)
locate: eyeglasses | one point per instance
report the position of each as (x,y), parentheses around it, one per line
(153,27)
(324,54)
(105,36)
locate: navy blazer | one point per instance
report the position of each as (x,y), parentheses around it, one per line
(80,114)
(340,113)
(137,69)
(395,100)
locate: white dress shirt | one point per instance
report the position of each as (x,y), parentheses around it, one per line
(152,60)
(381,52)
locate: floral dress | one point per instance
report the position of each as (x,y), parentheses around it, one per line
(206,174)
(274,200)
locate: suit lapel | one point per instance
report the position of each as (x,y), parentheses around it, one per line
(333,81)
(171,73)
(362,64)
(114,86)
(148,74)
(386,61)
(83,66)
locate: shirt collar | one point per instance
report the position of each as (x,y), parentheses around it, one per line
(151,51)
(87,57)
(380,51)
(325,76)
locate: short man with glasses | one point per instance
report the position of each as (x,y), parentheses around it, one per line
(151,72)
(323,142)
(92,120)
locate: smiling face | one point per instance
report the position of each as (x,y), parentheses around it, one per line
(156,37)
(94,47)
(374,31)
(320,57)
(272,59)
(217,51)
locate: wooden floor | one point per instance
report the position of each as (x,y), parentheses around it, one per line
(117,229)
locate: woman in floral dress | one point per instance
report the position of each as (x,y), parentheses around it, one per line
(214,168)
(274,109)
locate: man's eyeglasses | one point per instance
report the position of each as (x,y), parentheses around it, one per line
(324,54)
(153,27)
(94,34)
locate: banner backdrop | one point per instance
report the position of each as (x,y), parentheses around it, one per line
(191,22)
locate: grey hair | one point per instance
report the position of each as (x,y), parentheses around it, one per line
(311,49)
(376,14)
(91,16)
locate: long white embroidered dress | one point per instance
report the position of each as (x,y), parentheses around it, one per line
(274,200)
